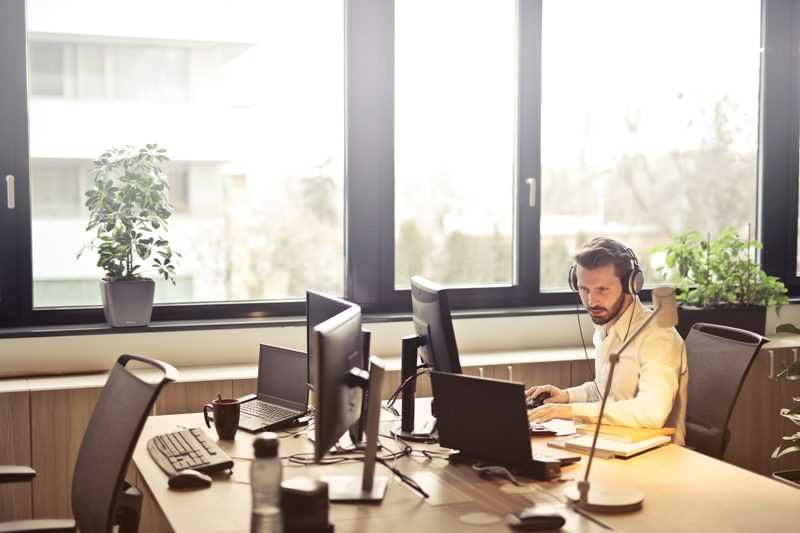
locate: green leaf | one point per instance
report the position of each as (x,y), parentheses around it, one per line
(787,328)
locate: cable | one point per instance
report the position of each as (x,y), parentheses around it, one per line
(583,342)
(420,370)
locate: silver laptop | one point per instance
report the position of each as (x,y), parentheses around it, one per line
(282,396)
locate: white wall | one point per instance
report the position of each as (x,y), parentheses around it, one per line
(87,353)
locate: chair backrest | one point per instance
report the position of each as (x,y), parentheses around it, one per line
(112,433)
(719,358)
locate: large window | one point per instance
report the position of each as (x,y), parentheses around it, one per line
(645,135)
(345,146)
(454,140)
(252,118)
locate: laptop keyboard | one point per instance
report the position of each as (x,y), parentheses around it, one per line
(268,412)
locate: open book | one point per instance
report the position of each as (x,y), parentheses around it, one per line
(607,448)
(624,434)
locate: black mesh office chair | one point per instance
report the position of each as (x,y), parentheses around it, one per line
(101,498)
(719,358)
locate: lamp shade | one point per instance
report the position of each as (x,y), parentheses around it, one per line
(667,308)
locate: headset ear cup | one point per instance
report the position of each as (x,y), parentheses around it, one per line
(636,280)
(572,278)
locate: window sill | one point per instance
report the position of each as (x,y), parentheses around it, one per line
(237,323)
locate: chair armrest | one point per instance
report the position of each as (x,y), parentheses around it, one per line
(11,474)
(38,526)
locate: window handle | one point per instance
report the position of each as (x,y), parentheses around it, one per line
(10,191)
(531,191)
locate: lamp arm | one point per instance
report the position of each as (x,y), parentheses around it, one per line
(613,359)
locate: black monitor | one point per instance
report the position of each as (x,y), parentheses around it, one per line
(430,306)
(319,308)
(435,343)
(340,385)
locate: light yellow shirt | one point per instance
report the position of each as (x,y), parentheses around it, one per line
(650,381)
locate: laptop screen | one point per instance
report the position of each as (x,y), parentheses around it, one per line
(282,376)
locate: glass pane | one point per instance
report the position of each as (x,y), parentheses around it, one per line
(247,98)
(454,140)
(649,123)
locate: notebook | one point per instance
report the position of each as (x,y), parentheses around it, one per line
(624,434)
(607,448)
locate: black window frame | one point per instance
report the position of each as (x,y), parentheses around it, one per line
(369,173)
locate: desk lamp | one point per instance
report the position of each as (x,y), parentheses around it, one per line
(610,498)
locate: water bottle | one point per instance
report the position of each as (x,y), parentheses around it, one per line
(265,482)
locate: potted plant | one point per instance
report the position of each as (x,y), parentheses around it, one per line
(128,210)
(720,281)
(790,443)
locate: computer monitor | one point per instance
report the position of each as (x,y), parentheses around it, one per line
(435,343)
(341,384)
(319,308)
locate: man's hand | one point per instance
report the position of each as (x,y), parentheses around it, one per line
(550,411)
(556,395)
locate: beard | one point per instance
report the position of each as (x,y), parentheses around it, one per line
(611,313)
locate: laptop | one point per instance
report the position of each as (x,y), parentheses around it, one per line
(282,396)
(487,421)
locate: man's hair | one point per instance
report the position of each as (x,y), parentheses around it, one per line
(602,251)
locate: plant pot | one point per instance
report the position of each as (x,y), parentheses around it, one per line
(790,477)
(748,317)
(127,303)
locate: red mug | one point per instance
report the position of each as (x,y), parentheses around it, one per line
(226,416)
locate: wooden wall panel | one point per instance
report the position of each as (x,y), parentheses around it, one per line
(15,449)
(581,372)
(243,387)
(191,396)
(58,422)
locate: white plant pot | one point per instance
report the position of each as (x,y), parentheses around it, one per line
(127,303)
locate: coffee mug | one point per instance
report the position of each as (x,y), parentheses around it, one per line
(226,416)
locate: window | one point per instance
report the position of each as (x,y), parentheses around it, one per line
(345,146)
(454,141)
(640,142)
(257,143)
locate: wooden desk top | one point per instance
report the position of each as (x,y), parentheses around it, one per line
(685,491)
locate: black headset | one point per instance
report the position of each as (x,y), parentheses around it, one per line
(632,280)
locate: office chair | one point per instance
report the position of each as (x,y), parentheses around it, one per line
(101,499)
(719,358)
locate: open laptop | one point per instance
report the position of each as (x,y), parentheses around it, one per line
(487,421)
(282,396)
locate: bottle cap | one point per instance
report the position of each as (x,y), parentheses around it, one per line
(266,446)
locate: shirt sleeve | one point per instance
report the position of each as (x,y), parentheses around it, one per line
(586,392)
(659,357)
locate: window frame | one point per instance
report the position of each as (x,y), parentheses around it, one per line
(369,239)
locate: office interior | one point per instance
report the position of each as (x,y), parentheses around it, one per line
(56,351)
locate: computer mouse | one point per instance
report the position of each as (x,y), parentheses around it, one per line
(189,479)
(533,403)
(535,518)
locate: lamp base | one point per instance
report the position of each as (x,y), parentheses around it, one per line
(603,498)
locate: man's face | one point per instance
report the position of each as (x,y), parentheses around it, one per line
(601,293)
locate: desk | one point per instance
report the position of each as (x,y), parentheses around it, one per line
(685,491)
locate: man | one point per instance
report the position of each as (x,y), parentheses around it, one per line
(649,387)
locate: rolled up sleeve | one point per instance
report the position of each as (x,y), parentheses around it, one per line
(659,362)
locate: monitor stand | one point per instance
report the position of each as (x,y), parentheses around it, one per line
(368,488)
(426,433)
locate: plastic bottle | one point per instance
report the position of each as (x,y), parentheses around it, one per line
(265,482)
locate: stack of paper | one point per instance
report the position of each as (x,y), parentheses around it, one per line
(608,448)
(624,434)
